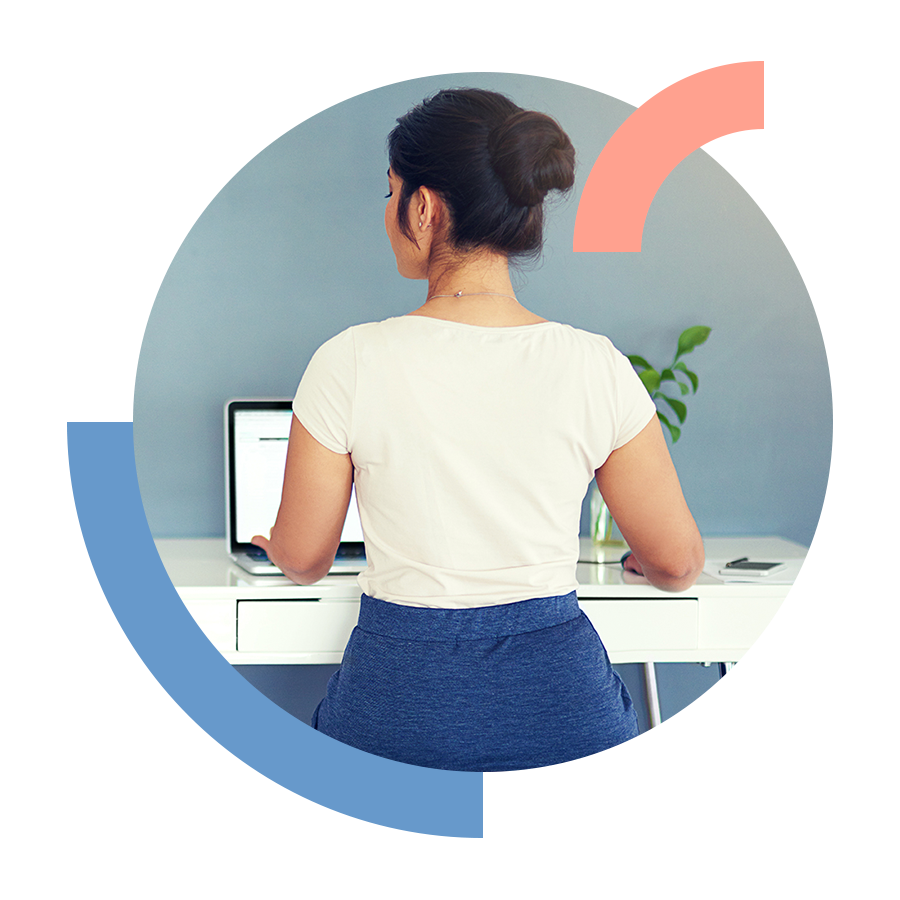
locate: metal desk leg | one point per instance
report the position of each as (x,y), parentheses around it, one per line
(652,693)
(732,702)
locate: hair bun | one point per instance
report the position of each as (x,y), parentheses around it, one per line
(531,155)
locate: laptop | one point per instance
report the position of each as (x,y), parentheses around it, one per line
(256,440)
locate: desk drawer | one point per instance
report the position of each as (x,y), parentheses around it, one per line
(294,626)
(644,624)
(303,626)
(781,623)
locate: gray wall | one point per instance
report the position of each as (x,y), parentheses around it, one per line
(293,250)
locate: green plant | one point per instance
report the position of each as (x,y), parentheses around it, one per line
(675,374)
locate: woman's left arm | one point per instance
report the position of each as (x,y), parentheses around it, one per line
(314,501)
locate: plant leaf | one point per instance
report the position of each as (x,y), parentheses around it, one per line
(667,375)
(695,381)
(650,377)
(678,406)
(636,360)
(674,430)
(690,338)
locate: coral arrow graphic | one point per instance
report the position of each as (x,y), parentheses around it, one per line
(680,106)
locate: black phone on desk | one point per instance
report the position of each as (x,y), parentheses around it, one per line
(746,566)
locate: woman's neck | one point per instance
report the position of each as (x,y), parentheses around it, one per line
(472,275)
(475,289)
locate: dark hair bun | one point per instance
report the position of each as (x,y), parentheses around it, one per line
(531,156)
(491,162)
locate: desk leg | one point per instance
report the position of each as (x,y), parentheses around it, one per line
(732,701)
(652,693)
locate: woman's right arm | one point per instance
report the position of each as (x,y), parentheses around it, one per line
(641,489)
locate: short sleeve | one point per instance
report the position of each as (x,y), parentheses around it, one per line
(324,399)
(634,408)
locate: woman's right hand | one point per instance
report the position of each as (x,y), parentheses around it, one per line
(641,489)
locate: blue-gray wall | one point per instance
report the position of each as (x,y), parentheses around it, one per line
(293,250)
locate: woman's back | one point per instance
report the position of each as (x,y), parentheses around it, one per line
(472,450)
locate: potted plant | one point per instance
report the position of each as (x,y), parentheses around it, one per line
(676,378)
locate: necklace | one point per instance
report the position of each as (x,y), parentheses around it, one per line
(472,294)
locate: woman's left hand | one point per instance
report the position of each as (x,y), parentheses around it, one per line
(631,564)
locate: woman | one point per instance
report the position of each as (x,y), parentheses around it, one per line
(471,428)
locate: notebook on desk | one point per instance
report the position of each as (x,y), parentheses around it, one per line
(256,440)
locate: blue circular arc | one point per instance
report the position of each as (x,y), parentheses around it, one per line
(211,692)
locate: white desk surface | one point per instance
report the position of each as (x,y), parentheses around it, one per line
(713,621)
(195,564)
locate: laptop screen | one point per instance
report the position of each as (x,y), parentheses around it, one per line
(257,435)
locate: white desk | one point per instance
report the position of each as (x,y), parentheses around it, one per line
(263,620)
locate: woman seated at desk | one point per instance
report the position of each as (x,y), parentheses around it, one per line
(471,428)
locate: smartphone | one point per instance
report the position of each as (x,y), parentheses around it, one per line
(748,567)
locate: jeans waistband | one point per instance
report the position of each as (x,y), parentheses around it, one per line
(430,624)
